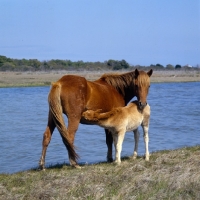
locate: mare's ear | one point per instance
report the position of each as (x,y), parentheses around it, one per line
(136,73)
(150,72)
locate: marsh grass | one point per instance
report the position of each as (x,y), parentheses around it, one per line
(168,175)
(25,79)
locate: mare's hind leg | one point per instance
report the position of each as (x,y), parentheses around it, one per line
(46,140)
(109,142)
(73,124)
(136,137)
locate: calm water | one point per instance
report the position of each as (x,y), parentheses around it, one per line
(175,114)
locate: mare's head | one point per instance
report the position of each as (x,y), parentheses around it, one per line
(142,84)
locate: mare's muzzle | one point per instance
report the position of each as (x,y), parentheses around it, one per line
(142,105)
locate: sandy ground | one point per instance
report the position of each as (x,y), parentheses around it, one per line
(12,79)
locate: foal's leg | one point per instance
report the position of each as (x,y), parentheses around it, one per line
(136,137)
(146,140)
(46,140)
(109,142)
(118,140)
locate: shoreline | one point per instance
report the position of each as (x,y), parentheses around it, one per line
(42,78)
(169,174)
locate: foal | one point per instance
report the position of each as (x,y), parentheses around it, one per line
(122,119)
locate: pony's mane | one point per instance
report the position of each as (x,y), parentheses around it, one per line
(120,82)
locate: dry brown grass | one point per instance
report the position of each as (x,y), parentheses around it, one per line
(176,76)
(168,175)
(11,79)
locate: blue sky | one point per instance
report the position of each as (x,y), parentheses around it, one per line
(142,32)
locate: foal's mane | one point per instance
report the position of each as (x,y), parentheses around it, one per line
(121,82)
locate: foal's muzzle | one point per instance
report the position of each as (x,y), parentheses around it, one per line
(142,105)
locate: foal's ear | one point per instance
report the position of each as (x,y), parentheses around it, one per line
(136,73)
(150,72)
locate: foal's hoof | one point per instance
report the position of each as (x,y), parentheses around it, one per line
(117,163)
(134,155)
(147,159)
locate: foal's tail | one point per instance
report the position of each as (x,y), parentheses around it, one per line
(57,112)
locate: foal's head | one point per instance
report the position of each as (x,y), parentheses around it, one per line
(142,84)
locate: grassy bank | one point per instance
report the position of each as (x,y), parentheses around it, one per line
(168,175)
(23,79)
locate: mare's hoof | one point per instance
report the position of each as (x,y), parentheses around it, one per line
(77,166)
(41,168)
(109,159)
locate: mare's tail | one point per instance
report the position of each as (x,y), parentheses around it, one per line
(57,113)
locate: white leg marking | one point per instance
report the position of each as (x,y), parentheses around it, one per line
(146,140)
(136,137)
(118,140)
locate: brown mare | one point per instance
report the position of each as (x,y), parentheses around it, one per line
(72,95)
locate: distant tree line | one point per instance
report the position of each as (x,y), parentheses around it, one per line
(9,64)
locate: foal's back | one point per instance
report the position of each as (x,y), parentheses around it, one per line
(126,118)
(129,117)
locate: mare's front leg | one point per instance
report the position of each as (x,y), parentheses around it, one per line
(136,137)
(109,142)
(46,140)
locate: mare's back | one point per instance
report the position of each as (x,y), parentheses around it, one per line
(90,95)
